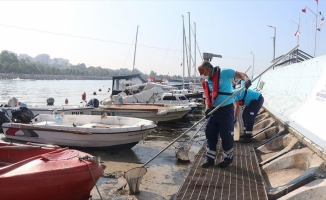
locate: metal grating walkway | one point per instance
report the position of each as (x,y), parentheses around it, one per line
(241,180)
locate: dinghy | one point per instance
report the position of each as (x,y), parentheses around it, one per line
(31,171)
(86,131)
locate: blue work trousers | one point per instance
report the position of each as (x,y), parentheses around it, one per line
(250,112)
(220,123)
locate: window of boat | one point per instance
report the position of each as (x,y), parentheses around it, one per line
(183,98)
(169,98)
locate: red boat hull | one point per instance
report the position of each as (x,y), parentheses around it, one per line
(43,173)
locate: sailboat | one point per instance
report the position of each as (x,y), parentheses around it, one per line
(193,91)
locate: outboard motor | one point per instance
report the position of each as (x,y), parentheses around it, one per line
(93,102)
(3,118)
(22,115)
(50,101)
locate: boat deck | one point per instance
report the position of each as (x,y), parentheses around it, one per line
(241,180)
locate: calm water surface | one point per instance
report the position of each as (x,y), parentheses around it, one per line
(38,91)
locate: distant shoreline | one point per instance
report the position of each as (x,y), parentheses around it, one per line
(50,77)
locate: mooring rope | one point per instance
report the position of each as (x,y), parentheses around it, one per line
(87,157)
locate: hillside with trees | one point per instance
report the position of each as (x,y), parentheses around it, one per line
(11,66)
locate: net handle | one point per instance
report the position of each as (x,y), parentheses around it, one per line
(217,107)
(196,133)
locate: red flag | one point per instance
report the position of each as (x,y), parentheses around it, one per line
(317,1)
(297,33)
(304,10)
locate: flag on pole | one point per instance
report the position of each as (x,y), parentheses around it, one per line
(318,29)
(303,10)
(317,1)
(321,23)
(297,33)
(181,65)
(322,19)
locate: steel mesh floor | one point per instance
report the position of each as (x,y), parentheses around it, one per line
(241,180)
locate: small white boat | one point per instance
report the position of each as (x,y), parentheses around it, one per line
(86,131)
(154,112)
(83,109)
(46,109)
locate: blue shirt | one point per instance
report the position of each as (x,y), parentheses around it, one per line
(225,85)
(251,95)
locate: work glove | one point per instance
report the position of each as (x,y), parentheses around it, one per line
(247,83)
(208,110)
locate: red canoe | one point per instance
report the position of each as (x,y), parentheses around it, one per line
(41,172)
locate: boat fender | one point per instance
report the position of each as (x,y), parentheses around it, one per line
(66,101)
(84,96)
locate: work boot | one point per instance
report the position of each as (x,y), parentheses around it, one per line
(207,164)
(225,162)
(246,140)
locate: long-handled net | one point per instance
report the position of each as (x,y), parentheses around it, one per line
(134,175)
(182,152)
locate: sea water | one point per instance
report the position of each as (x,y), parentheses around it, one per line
(38,91)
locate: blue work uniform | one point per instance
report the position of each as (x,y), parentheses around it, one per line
(253,101)
(221,122)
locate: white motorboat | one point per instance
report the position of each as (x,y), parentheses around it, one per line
(81,131)
(154,112)
(82,109)
(45,109)
(155,95)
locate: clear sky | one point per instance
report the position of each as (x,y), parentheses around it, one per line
(103,33)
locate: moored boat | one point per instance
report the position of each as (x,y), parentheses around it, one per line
(45,109)
(154,112)
(46,172)
(86,131)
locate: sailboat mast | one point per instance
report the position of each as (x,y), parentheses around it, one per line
(133,67)
(183,50)
(195,51)
(299,30)
(189,67)
(316,30)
